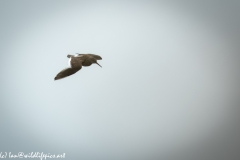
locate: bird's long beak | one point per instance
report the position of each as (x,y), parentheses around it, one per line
(99,64)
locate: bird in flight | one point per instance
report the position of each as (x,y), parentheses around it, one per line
(76,62)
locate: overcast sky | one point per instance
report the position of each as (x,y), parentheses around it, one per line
(168,87)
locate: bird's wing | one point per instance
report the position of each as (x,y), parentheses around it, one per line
(66,72)
(97,57)
(76,64)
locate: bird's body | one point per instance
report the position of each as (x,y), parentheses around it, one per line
(76,62)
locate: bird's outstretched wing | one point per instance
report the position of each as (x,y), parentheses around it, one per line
(66,72)
(76,65)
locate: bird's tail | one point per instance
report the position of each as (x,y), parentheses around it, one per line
(69,55)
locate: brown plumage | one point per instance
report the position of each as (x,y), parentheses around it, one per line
(76,63)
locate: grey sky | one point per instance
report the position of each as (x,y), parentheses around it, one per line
(168,89)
